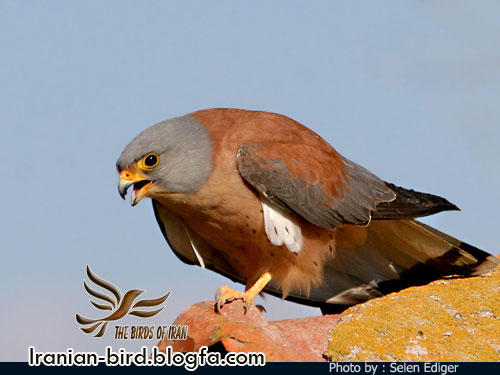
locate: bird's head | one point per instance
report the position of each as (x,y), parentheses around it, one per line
(174,156)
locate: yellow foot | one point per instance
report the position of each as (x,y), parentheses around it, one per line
(226,294)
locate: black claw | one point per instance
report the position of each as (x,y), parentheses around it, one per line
(246,307)
(261,308)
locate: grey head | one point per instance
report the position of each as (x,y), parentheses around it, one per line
(184,149)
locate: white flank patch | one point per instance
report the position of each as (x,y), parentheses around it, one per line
(281,226)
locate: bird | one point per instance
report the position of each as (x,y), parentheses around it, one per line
(265,201)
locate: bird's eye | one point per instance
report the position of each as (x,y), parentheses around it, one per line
(149,161)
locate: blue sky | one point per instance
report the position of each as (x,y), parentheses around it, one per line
(409,90)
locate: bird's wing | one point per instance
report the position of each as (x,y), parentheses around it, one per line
(327,189)
(387,256)
(410,204)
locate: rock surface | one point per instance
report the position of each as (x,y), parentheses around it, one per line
(302,340)
(447,320)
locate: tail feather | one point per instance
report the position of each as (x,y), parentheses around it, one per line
(395,254)
(410,243)
(479,261)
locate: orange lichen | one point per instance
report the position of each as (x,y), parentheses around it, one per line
(456,319)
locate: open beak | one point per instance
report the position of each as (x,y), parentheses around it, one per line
(140,183)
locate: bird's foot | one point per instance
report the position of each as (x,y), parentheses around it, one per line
(226,294)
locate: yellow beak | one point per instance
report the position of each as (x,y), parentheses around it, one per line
(140,182)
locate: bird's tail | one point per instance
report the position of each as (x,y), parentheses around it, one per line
(389,255)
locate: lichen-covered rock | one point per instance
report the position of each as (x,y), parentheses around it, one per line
(455,319)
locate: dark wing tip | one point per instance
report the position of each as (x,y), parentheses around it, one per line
(411,204)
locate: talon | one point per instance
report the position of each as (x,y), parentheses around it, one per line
(248,301)
(261,308)
(226,294)
(247,306)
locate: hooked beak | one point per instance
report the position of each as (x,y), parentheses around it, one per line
(140,183)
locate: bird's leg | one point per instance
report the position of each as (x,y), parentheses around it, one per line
(226,294)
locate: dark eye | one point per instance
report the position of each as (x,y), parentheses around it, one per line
(150,161)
